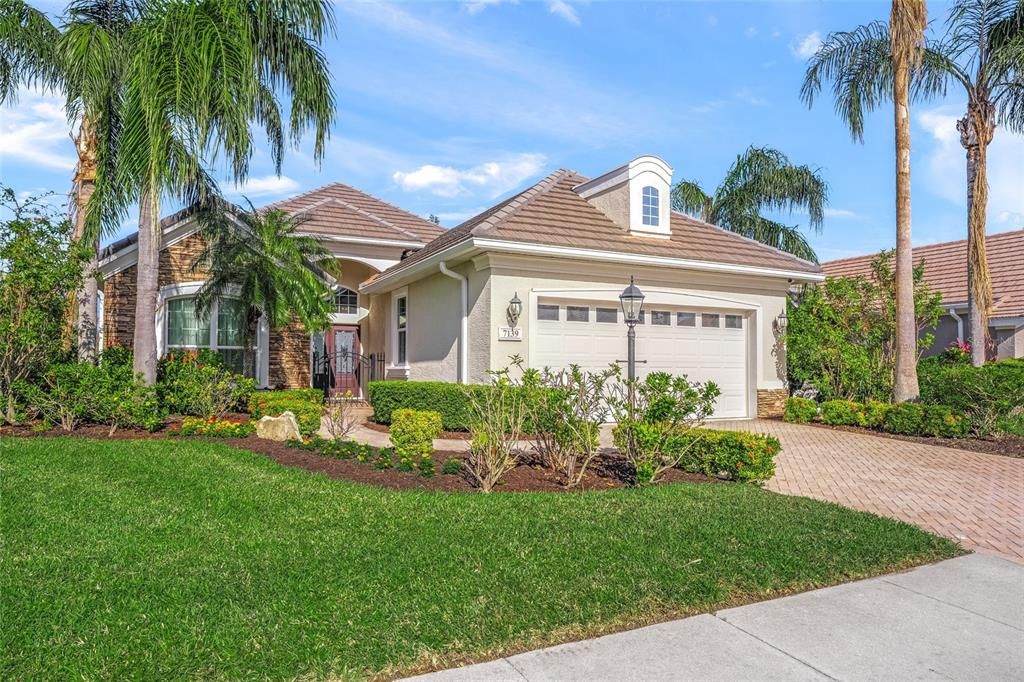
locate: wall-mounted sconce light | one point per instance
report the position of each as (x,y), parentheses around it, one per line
(514,310)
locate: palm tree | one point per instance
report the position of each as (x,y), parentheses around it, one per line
(982,52)
(82,59)
(199,76)
(761,179)
(907,23)
(257,259)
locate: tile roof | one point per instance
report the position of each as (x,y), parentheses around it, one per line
(945,270)
(338,209)
(551,213)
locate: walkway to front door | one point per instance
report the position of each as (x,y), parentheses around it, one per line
(975,498)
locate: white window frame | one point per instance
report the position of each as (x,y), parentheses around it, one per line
(393,327)
(650,208)
(189,290)
(334,301)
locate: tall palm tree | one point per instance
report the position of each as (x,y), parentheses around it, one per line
(982,52)
(761,179)
(201,74)
(83,60)
(256,258)
(907,23)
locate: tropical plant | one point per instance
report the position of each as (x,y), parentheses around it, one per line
(39,268)
(83,59)
(841,336)
(761,179)
(982,52)
(199,75)
(258,259)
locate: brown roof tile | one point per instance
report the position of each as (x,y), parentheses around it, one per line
(552,213)
(945,270)
(337,209)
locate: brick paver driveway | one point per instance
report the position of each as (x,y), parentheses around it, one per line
(975,498)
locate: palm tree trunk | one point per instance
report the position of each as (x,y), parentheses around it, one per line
(83,320)
(977,129)
(147,279)
(905,385)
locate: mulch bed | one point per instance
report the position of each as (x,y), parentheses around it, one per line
(1006,446)
(605,472)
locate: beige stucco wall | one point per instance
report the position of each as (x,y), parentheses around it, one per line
(614,203)
(764,297)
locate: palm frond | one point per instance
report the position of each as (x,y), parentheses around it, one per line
(29,53)
(688,197)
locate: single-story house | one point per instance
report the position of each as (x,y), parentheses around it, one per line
(536,276)
(945,271)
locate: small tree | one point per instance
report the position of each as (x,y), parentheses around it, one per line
(497,418)
(40,267)
(842,334)
(566,409)
(656,416)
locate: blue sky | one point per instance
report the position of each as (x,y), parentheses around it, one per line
(447,107)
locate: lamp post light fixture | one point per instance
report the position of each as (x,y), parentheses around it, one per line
(632,300)
(781,322)
(514,310)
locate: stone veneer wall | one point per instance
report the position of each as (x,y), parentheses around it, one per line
(289,346)
(771,402)
(119,290)
(289,357)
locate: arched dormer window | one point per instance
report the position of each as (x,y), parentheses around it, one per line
(650,206)
(346,302)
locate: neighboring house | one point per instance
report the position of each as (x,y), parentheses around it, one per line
(945,270)
(564,248)
(365,234)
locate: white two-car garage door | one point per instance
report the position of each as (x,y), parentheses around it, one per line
(705,345)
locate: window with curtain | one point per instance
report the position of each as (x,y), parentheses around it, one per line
(223,331)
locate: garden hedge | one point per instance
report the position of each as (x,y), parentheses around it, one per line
(908,419)
(305,404)
(987,394)
(448,400)
(745,457)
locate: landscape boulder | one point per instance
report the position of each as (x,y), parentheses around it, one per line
(282,428)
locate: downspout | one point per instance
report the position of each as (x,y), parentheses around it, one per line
(464,325)
(959,324)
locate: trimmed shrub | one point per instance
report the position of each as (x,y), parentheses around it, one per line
(800,410)
(413,433)
(274,403)
(941,421)
(452,466)
(842,412)
(872,414)
(448,400)
(742,456)
(985,394)
(212,427)
(1012,425)
(904,418)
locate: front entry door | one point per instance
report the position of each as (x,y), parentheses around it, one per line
(342,345)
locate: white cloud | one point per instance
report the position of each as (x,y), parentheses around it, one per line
(268,185)
(840,213)
(560,8)
(751,31)
(490,179)
(747,95)
(804,48)
(563,9)
(36,131)
(945,166)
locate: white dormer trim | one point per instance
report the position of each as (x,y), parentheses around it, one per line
(649,171)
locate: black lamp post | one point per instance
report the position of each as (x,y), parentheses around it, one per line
(632,300)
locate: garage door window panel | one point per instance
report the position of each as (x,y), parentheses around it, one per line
(608,315)
(661,317)
(546,311)
(684,319)
(734,322)
(710,320)
(577,313)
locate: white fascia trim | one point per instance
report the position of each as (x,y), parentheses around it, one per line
(362,240)
(656,261)
(388,282)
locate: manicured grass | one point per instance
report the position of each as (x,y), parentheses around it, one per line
(186,559)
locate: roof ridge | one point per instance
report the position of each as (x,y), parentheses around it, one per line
(741,236)
(388,203)
(956,242)
(301,194)
(514,204)
(380,220)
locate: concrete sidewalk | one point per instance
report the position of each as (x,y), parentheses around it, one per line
(959,619)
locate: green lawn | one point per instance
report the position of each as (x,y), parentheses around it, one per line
(186,559)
